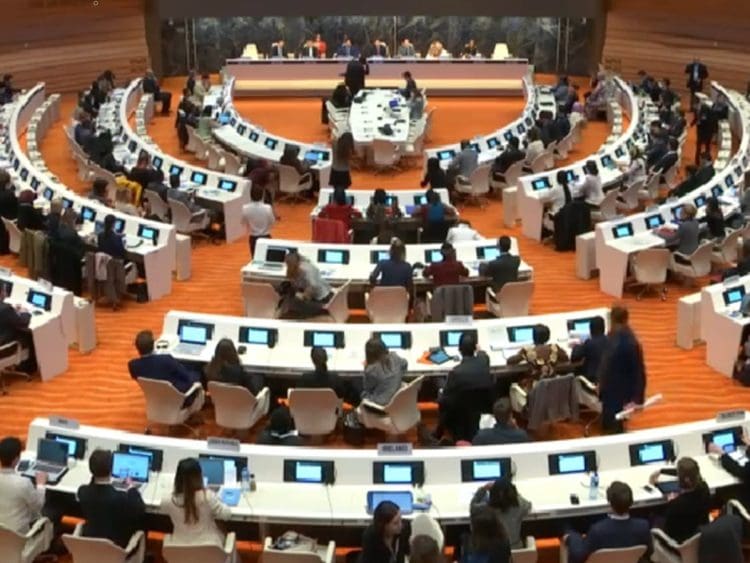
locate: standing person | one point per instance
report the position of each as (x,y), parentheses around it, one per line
(343,151)
(386,540)
(622,372)
(696,72)
(109,513)
(258,217)
(354,76)
(488,540)
(151,86)
(706,126)
(194,509)
(510,507)
(384,372)
(410,85)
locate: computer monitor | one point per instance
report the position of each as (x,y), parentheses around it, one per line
(521,129)
(270,143)
(622,231)
(485,469)
(198,178)
(34,184)
(487,252)
(619,152)
(733,295)
(193,332)
(475,147)
(493,142)
(39,299)
(241,129)
(540,184)
(236,463)
(676,212)
(148,233)
(119,225)
(323,339)
(521,334)
(277,253)
(254,136)
(432,255)
(651,452)
(398,472)
(607,161)
(130,466)
(581,327)
(132,145)
(394,340)
(403,499)
(7,286)
(451,338)
(48,194)
(309,471)
(508,135)
(446,155)
(727,439)
(227,185)
(717,191)
(51,451)
(75,447)
(315,155)
(158,162)
(729,181)
(67,203)
(258,336)
(654,221)
(88,214)
(379,255)
(700,201)
(175,170)
(333,256)
(571,176)
(155,456)
(573,462)
(391,199)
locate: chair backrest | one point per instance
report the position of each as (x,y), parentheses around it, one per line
(233,164)
(425,525)
(701,259)
(250,51)
(156,204)
(271,555)
(338,306)
(608,206)
(452,300)
(384,152)
(202,553)
(315,411)
(11,545)
(513,173)
(330,231)
(650,265)
(215,155)
(181,215)
(260,300)
(730,246)
(500,51)
(514,298)
(630,195)
(480,180)
(14,235)
(526,554)
(93,550)
(234,406)
(388,305)
(288,179)
(163,401)
(402,409)
(540,162)
(652,186)
(622,555)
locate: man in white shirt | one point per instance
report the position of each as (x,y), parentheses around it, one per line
(20,501)
(462,232)
(258,216)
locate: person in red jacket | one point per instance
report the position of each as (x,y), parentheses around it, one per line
(449,271)
(339,209)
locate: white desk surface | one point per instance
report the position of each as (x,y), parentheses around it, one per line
(373,111)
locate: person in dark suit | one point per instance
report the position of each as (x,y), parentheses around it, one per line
(346,49)
(162,367)
(590,352)
(151,86)
(321,378)
(308,50)
(280,430)
(669,159)
(502,269)
(14,324)
(8,208)
(434,175)
(410,86)
(667,96)
(109,513)
(506,159)
(688,184)
(278,50)
(470,50)
(110,242)
(29,217)
(470,378)
(622,372)
(696,72)
(354,76)
(386,540)
(225,367)
(341,97)
(616,531)
(144,173)
(505,430)
(706,125)
(379,48)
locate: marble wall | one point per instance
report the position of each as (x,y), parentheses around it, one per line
(217,39)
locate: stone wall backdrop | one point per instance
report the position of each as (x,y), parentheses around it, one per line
(537,39)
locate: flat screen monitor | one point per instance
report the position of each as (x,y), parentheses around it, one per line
(48,194)
(24,174)
(521,129)
(651,452)
(39,299)
(213,471)
(130,466)
(398,472)
(132,145)
(508,135)
(270,143)
(540,184)
(521,334)
(403,499)
(420,199)
(394,340)
(324,339)
(241,129)
(193,332)
(493,142)
(158,162)
(475,147)
(34,184)
(622,231)
(378,256)
(227,185)
(333,256)
(571,176)
(148,233)
(254,136)
(16,164)
(619,152)
(308,471)
(446,155)
(52,451)
(432,255)
(717,191)
(485,469)
(314,155)
(676,212)
(155,456)
(119,225)
(572,462)
(487,252)
(581,327)
(733,295)
(654,221)
(729,181)
(391,200)
(276,254)
(67,203)
(7,287)
(700,201)
(451,338)
(175,170)
(607,161)
(258,336)
(198,178)
(349,199)
(74,447)
(88,214)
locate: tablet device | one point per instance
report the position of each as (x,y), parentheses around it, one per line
(667,487)
(230,497)
(403,499)
(439,357)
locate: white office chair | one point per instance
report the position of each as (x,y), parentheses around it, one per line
(685,552)
(156,204)
(622,555)
(650,269)
(14,235)
(628,199)
(200,553)
(727,251)
(650,190)
(235,407)
(184,221)
(322,554)
(518,398)
(607,209)
(428,123)
(668,177)
(260,300)
(98,550)
(24,548)
(526,554)
(385,154)
(509,179)
(512,301)
(399,416)
(501,51)
(292,183)
(699,262)
(216,160)
(588,397)
(476,187)
(250,51)
(164,403)
(85,174)
(425,525)
(233,164)
(316,412)
(387,304)
(11,356)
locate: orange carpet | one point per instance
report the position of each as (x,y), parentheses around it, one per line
(98,390)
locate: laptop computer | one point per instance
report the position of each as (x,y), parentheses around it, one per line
(129,466)
(51,458)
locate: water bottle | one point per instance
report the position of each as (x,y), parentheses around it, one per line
(253,484)
(594,486)
(245,480)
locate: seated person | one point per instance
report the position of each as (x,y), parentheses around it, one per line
(162,367)
(201,89)
(506,159)
(290,157)
(406,48)
(109,241)
(29,217)
(339,209)
(462,231)
(502,269)
(590,187)
(309,50)
(84,130)
(434,211)
(321,377)
(379,49)
(541,357)
(280,430)
(341,97)
(470,50)
(305,293)
(488,540)
(183,196)
(706,169)
(510,507)
(686,238)
(206,124)
(617,531)
(123,202)
(151,86)
(99,192)
(691,182)
(380,210)
(505,430)
(449,270)
(394,271)
(463,164)
(384,373)
(386,540)
(743,263)
(109,513)
(144,174)
(225,367)
(668,160)
(534,147)
(434,175)
(715,219)
(589,352)
(14,326)
(731,465)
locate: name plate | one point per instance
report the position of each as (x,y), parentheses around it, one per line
(396,448)
(62,422)
(730,415)
(459,319)
(226,444)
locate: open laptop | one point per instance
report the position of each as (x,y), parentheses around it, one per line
(129,466)
(51,458)
(193,338)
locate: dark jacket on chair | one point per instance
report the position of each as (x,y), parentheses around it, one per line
(11,322)
(111,514)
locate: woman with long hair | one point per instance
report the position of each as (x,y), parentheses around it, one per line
(487,541)
(386,539)
(225,367)
(193,508)
(384,372)
(509,506)
(343,150)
